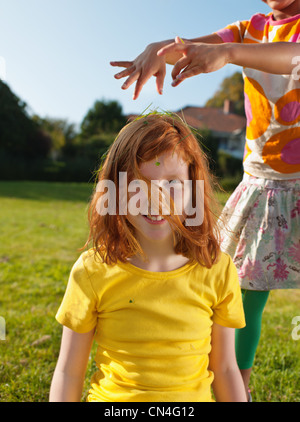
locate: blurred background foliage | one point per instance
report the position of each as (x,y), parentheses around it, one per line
(49,149)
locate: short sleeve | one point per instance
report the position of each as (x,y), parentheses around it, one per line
(228,311)
(78,310)
(234,32)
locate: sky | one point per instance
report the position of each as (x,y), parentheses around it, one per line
(55,54)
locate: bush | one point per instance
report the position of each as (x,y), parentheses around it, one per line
(78,163)
(77,169)
(229,183)
(229,166)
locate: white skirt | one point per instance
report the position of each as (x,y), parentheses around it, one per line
(261,231)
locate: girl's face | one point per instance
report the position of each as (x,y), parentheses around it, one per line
(167,169)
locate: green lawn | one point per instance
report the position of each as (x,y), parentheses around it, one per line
(42,227)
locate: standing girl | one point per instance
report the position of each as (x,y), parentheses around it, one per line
(264,210)
(156,294)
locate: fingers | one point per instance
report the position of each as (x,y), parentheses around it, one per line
(130,68)
(160,78)
(125,72)
(186,73)
(177,81)
(179,65)
(121,64)
(137,90)
(179,40)
(129,71)
(140,72)
(132,78)
(143,78)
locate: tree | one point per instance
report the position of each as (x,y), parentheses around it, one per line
(19,134)
(210,146)
(232,88)
(103,117)
(61,132)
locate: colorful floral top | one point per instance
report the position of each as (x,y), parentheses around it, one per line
(272,102)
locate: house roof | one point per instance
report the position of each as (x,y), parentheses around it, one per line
(214,119)
(211,118)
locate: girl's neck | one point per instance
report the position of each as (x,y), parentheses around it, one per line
(161,257)
(288,12)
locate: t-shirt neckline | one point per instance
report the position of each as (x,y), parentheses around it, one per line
(128,266)
(273,22)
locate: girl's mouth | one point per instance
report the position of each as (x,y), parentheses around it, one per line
(154,219)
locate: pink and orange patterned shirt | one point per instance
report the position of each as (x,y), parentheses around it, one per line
(272,102)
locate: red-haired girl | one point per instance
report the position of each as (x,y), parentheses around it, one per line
(156,294)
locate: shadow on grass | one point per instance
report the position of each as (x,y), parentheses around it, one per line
(47,191)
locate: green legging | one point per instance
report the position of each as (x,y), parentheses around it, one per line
(247,338)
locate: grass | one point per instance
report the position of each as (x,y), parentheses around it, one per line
(42,227)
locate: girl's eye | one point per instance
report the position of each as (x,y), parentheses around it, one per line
(174,181)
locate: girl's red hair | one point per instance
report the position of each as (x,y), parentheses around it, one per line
(140,141)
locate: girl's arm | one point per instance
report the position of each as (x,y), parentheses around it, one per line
(148,64)
(199,58)
(228,385)
(68,378)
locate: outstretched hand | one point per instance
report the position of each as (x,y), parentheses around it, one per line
(189,59)
(195,58)
(141,69)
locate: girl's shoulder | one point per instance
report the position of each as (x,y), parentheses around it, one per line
(223,262)
(259,20)
(221,268)
(91,262)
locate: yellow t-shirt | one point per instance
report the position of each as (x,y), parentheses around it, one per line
(153,329)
